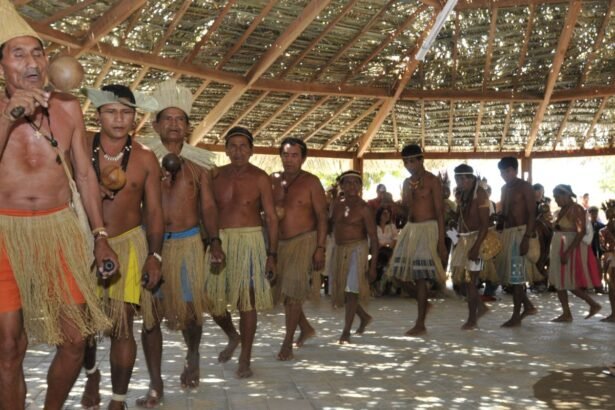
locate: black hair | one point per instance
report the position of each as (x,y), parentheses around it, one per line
(294,141)
(120,91)
(464,169)
(2,47)
(508,162)
(244,132)
(379,213)
(412,150)
(538,187)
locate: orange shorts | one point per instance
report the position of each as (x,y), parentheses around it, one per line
(10,298)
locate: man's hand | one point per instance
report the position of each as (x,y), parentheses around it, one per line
(103,253)
(442,252)
(152,268)
(25,102)
(524,246)
(373,275)
(473,253)
(318,259)
(218,257)
(271,268)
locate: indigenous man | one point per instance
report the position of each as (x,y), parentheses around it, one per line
(353,224)
(473,225)
(607,244)
(125,211)
(47,288)
(420,251)
(518,217)
(187,200)
(301,208)
(241,192)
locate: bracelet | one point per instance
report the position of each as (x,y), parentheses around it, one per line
(273,254)
(101,234)
(99,229)
(215,238)
(324,248)
(156,255)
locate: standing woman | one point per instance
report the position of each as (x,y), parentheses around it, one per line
(387,238)
(573,265)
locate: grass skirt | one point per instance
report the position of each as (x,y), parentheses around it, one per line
(294,268)
(244,271)
(183,256)
(408,265)
(581,271)
(125,286)
(459,260)
(342,264)
(40,248)
(509,270)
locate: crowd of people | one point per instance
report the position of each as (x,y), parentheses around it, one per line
(175,238)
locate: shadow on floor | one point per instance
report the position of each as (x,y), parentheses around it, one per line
(584,388)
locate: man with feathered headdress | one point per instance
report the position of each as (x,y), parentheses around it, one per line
(129,177)
(46,289)
(187,201)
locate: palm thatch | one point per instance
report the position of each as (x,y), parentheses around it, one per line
(526,76)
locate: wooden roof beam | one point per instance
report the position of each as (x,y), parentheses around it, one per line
(104,70)
(486,73)
(595,120)
(67,11)
(366,139)
(562,125)
(597,44)
(560,53)
(352,124)
(486,4)
(100,27)
(333,116)
(506,125)
(241,116)
(212,29)
(422,123)
(395,133)
(275,115)
(309,13)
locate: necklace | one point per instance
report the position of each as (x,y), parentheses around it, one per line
(113,158)
(416,184)
(286,185)
(38,134)
(96,147)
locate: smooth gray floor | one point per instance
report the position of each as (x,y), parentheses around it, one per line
(537,366)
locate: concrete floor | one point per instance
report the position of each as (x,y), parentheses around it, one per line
(537,366)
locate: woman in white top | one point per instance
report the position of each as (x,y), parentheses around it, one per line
(387,237)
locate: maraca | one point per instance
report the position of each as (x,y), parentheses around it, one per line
(113,177)
(64,72)
(172,163)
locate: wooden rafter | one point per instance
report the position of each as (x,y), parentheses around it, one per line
(333,116)
(352,124)
(486,74)
(303,117)
(423,123)
(595,120)
(451,122)
(562,125)
(455,55)
(322,69)
(395,135)
(67,11)
(241,116)
(293,31)
(104,70)
(406,23)
(275,115)
(522,57)
(366,139)
(569,24)
(100,27)
(485,4)
(212,29)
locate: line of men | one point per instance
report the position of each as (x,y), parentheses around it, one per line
(260,230)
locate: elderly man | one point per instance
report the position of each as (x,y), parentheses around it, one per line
(242,191)
(47,288)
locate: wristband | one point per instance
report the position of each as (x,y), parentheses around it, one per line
(101,234)
(215,238)
(99,229)
(155,255)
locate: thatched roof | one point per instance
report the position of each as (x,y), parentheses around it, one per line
(532,76)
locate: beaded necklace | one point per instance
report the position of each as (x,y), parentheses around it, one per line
(96,147)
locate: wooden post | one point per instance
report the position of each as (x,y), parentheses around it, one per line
(357,164)
(526,166)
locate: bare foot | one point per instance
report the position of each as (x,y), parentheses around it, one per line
(303,336)
(529,312)
(243,371)
(190,377)
(286,352)
(593,310)
(512,322)
(117,405)
(416,331)
(151,400)
(228,351)
(610,318)
(91,394)
(344,338)
(469,326)
(363,325)
(562,319)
